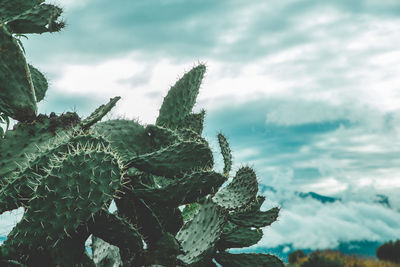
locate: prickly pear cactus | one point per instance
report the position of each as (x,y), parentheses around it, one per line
(172,207)
(18,95)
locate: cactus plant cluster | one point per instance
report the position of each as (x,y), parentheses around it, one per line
(172,207)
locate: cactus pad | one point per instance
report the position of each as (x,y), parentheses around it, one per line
(39,83)
(234,236)
(181,98)
(239,192)
(199,236)
(175,160)
(28,138)
(188,189)
(77,186)
(99,113)
(39,19)
(104,254)
(226,153)
(161,136)
(194,121)
(127,137)
(9,9)
(17,96)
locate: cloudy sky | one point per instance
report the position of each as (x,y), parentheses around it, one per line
(307,92)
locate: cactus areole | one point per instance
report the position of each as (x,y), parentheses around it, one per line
(172,209)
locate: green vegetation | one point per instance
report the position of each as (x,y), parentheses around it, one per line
(326,258)
(66,171)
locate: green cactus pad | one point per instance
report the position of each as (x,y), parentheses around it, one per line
(255,218)
(17,95)
(185,190)
(78,185)
(188,189)
(170,218)
(181,98)
(199,236)
(99,113)
(115,231)
(248,260)
(39,19)
(127,137)
(164,251)
(69,251)
(39,83)
(9,9)
(234,236)
(194,121)
(29,138)
(174,160)
(241,191)
(226,153)
(188,134)
(104,254)
(21,188)
(161,136)
(148,221)
(189,211)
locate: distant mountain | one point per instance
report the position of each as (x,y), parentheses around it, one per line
(382,199)
(379,198)
(320,198)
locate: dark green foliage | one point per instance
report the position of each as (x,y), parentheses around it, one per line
(194,121)
(317,260)
(188,189)
(17,79)
(66,172)
(175,160)
(389,251)
(124,135)
(69,181)
(17,95)
(161,137)
(295,255)
(28,138)
(9,9)
(115,230)
(39,19)
(21,185)
(76,187)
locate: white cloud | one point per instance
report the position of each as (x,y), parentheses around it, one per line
(69,4)
(9,219)
(307,223)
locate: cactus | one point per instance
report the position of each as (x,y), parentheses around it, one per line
(18,79)
(66,171)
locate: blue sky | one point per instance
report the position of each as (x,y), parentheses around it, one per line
(307,92)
